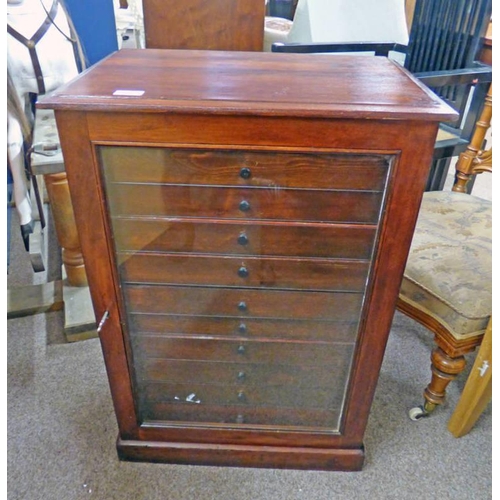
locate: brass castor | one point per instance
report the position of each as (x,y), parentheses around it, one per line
(419,412)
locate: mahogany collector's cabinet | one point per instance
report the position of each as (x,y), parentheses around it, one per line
(245,220)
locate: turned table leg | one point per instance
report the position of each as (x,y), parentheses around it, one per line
(65,226)
(47,161)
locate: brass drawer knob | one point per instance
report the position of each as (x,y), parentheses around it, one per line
(245,173)
(243,272)
(242,328)
(242,396)
(242,306)
(244,206)
(241,376)
(241,349)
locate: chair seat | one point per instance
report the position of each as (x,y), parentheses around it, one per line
(448,273)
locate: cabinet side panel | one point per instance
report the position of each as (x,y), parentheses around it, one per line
(403,199)
(87,205)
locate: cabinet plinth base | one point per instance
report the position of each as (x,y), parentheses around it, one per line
(242,455)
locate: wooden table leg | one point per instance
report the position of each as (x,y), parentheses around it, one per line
(72,292)
(65,226)
(477,391)
(79,321)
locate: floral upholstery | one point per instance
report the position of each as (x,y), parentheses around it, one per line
(448,273)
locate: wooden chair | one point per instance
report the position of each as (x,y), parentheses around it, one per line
(447,282)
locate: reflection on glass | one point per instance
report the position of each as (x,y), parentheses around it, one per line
(243,276)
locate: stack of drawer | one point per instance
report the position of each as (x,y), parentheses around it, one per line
(243,277)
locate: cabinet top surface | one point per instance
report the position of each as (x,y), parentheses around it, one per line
(257,83)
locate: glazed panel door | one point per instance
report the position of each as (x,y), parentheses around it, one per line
(243,276)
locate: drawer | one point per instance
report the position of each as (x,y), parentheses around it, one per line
(268,272)
(237,414)
(271,396)
(244,237)
(242,375)
(239,302)
(244,168)
(329,331)
(243,351)
(157,200)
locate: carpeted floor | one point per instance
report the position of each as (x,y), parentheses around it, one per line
(62,430)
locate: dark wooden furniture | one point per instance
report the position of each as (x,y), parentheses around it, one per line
(285,9)
(443,51)
(203,24)
(244,244)
(486,51)
(447,35)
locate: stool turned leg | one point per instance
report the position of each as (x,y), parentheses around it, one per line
(65,226)
(444,369)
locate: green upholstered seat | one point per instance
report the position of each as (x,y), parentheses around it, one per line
(448,273)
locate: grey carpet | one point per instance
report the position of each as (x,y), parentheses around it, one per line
(62,431)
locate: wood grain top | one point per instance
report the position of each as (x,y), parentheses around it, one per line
(270,84)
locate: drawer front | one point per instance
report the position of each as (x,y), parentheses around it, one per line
(213,326)
(241,375)
(157,200)
(245,168)
(271,396)
(312,274)
(242,351)
(243,303)
(238,414)
(244,238)
(226,372)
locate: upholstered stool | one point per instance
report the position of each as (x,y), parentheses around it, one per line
(448,274)
(447,285)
